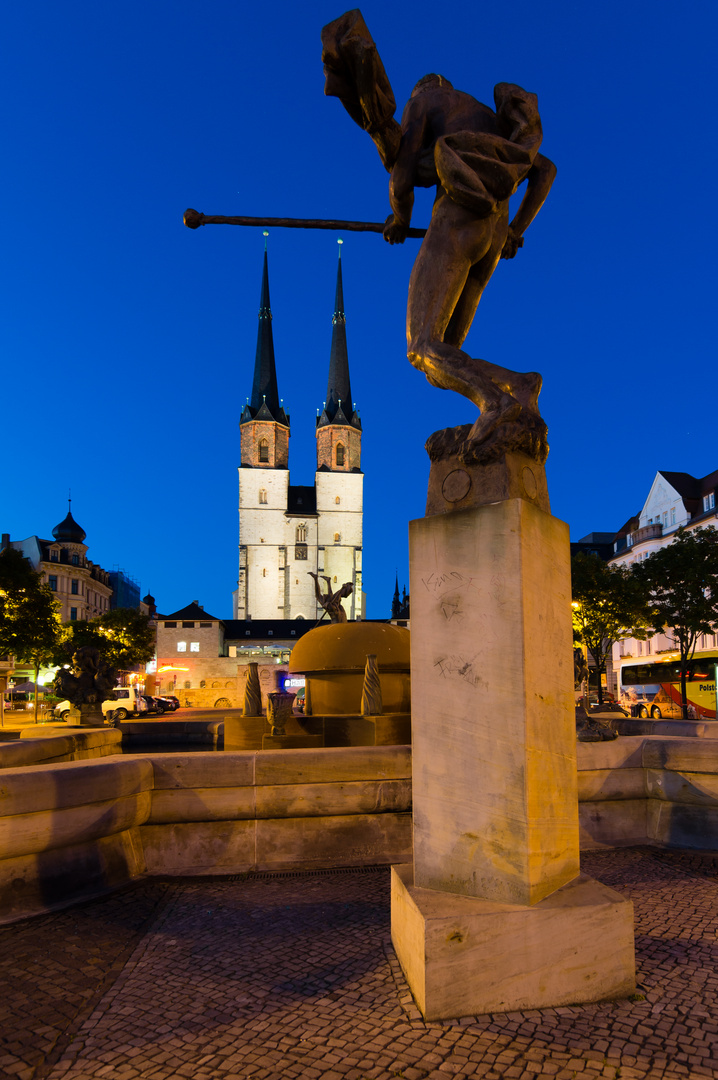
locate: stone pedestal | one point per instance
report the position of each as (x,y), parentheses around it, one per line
(464,956)
(494,754)
(91,715)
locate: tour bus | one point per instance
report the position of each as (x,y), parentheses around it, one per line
(654,688)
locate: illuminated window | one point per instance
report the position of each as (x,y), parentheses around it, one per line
(73,614)
(181,646)
(262,495)
(53,582)
(340,455)
(264,573)
(194,646)
(75,587)
(263,450)
(337,537)
(709,501)
(337,500)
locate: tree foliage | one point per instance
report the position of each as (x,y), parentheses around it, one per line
(30,625)
(124,636)
(681,580)
(609,603)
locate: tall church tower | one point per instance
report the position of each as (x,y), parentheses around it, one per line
(287,532)
(339,479)
(263,481)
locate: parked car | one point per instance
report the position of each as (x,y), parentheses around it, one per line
(173,703)
(126,702)
(155,705)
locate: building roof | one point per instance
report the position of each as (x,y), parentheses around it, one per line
(339,407)
(193,611)
(302,500)
(243,631)
(69,530)
(264,403)
(690,488)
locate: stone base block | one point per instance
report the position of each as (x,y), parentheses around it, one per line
(463,956)
(291,742)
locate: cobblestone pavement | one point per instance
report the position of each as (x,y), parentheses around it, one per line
(269,976)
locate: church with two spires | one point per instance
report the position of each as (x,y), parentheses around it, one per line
(287,531)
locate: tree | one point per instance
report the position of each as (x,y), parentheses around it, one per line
(30,626)
(124,636)
(609,603)
(682,584)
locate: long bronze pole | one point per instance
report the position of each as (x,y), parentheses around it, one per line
(193,219)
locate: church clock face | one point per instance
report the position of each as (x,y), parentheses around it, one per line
(300,552)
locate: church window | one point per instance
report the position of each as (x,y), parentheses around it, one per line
(263,450)
(335,577)
(340,455)
(301,536)
(264,573)
(181,646)
(194,646)
(337,500)
(337,537)
(262,495)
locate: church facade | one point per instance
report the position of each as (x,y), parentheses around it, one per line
(288,532)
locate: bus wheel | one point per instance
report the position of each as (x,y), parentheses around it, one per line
(643,712)
(656,713)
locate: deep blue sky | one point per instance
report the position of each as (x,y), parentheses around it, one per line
(129,340)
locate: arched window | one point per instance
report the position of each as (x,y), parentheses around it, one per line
(263,450)
(337,537)
(340,455)
(301,534)
(337,500)
(262,495)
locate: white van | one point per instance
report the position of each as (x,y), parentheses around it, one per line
(128,701)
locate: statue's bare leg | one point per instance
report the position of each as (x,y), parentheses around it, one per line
(456,242)
(525,387)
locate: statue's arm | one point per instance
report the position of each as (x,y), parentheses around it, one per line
(403,174)
(539,181)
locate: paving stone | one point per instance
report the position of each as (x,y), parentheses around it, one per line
(284,976)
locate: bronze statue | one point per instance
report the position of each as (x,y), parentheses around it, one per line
(90,681)
(476,157)
(332,601)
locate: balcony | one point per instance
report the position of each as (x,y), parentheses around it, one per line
(648,532)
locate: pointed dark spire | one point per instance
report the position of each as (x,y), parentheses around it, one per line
(396,602)
(339,407)
(264,403)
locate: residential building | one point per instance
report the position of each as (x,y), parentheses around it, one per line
(287,532)
(203,659)
(675,499)
(83,589)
